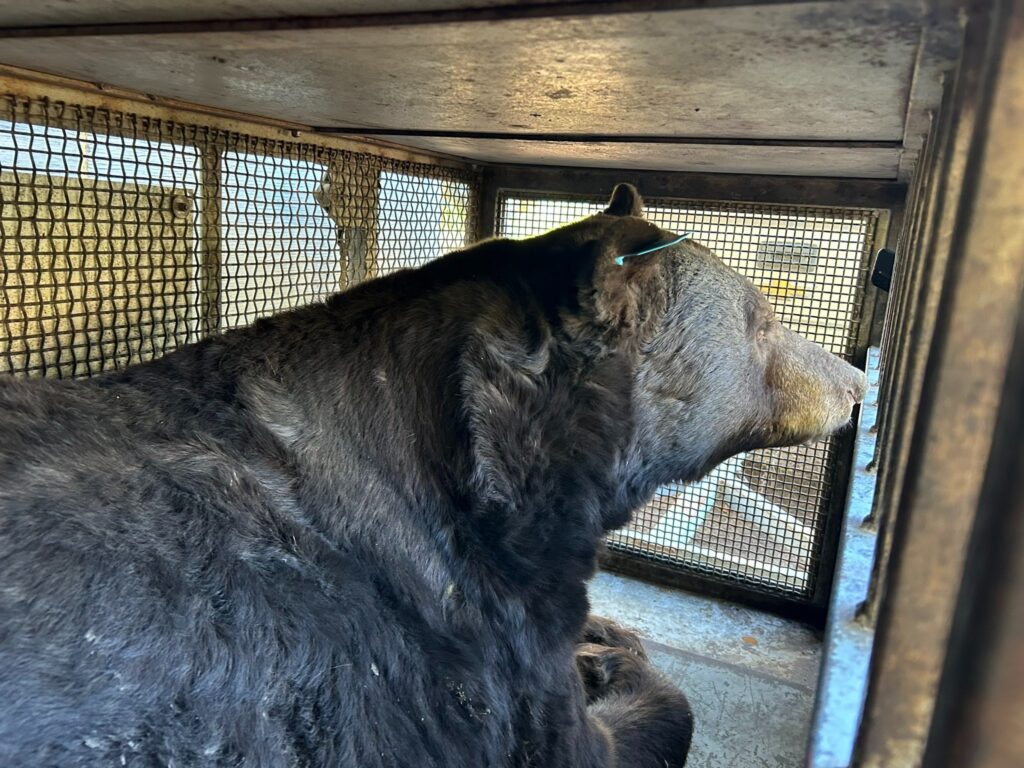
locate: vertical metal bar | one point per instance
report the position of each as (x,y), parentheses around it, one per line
(966,352)
(893,227)
(907,276)
(842,467)
(352,240)
(369,207)
(355,201)
(210,160)
(877,236)
(488,204)
(908,256)
(979,720)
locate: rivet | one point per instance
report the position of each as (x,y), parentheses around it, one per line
(180,206)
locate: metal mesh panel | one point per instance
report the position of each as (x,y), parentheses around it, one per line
(757,519)
(124,237)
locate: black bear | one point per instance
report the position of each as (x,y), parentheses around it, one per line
(359,533)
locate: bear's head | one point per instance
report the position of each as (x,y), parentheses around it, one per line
(715,372)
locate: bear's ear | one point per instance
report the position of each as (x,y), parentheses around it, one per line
(630,293)
(625,201)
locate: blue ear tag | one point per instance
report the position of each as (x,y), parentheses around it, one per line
(620,260)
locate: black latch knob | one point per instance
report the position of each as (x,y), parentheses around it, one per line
(881,275)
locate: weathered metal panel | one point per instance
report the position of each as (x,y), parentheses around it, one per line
(296,12)
(804,71)
(834,162)
(61,12)
(979,720)
(741,188)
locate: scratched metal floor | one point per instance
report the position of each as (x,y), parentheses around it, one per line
(749,676)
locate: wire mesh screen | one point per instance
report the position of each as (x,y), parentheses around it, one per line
(758,518)
(124,237)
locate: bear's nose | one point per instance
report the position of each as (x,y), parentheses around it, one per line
(858,387)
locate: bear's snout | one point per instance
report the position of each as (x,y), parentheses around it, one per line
(856,385)
(850,386)
(816,390)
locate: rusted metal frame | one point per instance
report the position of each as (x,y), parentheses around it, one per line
(650,570)
(924,199)
(907,286)
(879,519)
(906,254)
(882,298)
(957,422)
(727,187)
(404,18)
(920,307)
(33,85)
(210,240)
(827,542)
(842,468)
(909,247)
(876,239)
(488,204)
(613,138)
(906,283)
(904,247)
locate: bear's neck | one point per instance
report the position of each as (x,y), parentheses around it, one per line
(498,437)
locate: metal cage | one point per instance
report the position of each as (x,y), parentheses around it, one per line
(124,236)
(128,233)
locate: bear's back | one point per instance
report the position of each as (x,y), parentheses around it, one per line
(239,549)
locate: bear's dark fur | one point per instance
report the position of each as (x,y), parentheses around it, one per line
(359,534)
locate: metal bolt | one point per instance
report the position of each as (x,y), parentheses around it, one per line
(180,206)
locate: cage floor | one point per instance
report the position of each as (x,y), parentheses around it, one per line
(750,677)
